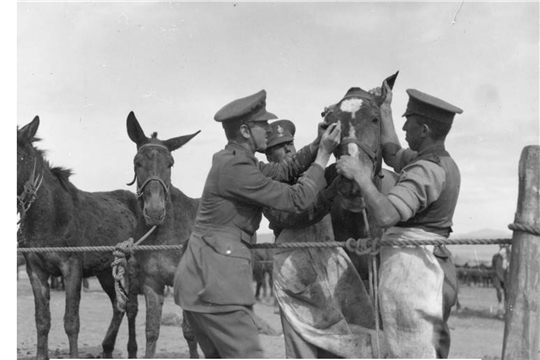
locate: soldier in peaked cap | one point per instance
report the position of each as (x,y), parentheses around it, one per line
(213,280)
(280,140)
(419,281)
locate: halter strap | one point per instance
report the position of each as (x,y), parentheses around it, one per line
(153,145)
(369,151)
(140,189)
(29,193)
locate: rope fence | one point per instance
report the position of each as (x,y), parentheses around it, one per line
(360,244)
(329,244)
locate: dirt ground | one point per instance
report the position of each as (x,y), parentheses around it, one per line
(477,333)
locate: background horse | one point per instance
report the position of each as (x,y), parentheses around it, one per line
(168,208)
(500,268)
(263,264)
(54,213)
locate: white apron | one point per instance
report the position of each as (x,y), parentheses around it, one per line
(410,295)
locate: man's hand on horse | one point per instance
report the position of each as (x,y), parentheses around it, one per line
(352,168)
(378,92)
(331,137)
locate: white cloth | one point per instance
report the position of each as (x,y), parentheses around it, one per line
(322,296)
(410,295)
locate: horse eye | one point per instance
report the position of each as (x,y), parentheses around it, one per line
(138,164)
(375,120)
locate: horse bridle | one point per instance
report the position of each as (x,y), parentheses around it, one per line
(140,189)
(372,154)
(29,193)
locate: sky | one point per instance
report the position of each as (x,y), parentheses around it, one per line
(82,67)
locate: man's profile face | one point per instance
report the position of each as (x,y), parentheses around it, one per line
(259,133)
(281,151)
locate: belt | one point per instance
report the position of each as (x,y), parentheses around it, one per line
(226,231)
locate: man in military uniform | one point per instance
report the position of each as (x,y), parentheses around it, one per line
(281,140)
(421,205)
(213,282)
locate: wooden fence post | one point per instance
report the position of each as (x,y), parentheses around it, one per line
(522,322)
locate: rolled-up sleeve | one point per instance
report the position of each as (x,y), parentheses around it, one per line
(419,185)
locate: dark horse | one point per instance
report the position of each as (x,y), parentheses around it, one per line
(359,114)
(500,268)
(54,213)
(168,208)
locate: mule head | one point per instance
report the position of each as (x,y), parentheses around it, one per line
(153,163)
(360,117)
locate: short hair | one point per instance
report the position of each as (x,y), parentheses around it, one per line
(439,129)
(232,128)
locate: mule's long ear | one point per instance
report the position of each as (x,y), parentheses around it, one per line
(391,80)
(28,132)
(135,132)
(177,142)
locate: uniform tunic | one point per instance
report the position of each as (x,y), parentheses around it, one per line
(215,273)
(411,278)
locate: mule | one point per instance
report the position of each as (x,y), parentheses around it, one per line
(172,212)
(54,213)
(501,266)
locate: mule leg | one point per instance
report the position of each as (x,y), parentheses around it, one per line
(132,311)
(189,335)
(133,306)
(153,294)
(40,287)
(106,281)
(72,275)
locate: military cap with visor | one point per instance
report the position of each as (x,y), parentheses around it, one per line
(282,132)
(249,108)
(430,107)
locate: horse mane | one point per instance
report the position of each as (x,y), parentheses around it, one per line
(60,172)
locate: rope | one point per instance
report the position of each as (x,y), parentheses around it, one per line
(329,244)
(122,252)
(373,277)
(525,228)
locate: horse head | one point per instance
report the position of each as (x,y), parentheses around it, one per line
(360,117)
(30,165)
(153,163)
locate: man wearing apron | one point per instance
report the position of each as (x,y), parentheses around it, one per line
(414,307)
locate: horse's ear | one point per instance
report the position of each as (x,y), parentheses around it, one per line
(28,132)
(177,142)
(391,80)
(135,132)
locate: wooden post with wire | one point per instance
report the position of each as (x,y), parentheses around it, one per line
(522,321)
